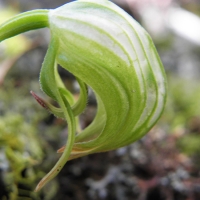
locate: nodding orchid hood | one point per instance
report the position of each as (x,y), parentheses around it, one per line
(106,49)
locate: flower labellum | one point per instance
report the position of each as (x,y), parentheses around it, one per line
(106,49)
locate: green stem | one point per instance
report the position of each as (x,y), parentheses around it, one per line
(24,22)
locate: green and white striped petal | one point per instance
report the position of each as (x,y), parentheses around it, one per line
(119,53)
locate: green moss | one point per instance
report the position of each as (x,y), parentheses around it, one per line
(190,144)
(21,144)
(182,102)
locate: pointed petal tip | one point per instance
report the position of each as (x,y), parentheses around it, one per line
(61,149)
(40,100)
(38,187)
(42,183)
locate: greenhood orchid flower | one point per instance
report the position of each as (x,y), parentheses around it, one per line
(106,49)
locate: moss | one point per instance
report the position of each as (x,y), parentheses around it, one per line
(182,102)
(22,149)
(189,144)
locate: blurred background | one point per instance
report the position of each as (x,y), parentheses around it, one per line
(163,165)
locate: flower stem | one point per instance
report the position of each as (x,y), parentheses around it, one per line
(24,22)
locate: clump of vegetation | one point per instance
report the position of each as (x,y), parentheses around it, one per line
(182,113)
(18,141)
(21,152)
(189,144)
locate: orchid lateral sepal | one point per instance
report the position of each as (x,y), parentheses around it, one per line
(57,112)
(50,65)
(77,108)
